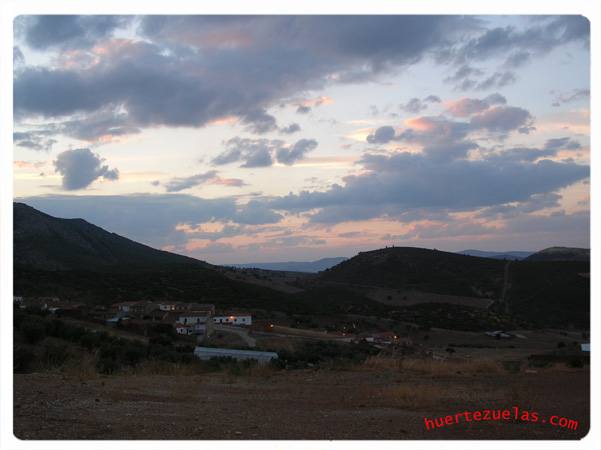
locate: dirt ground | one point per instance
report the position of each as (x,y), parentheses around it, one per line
(361,403)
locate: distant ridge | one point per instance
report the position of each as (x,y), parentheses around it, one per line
(294,266)
(513,255)
(561,254)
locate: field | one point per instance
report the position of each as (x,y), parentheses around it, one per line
(377,399)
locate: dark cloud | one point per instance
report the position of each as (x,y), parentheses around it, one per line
(539,38)
(290,129)
(302,109)
(191,70)
(80,168)
(179,184)
(42,32)
(564,143)
(164,81)
(405,181)
(34,140)
(502,119)
(289,156)
(261,152)
(252,152)
(259,122)
(415,105)
(382,135)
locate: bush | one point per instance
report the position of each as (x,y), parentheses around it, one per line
(33,330)
(54,355)
(23,358)
(576,363)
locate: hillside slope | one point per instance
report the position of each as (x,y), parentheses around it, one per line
(561,254)
(423,270)
(49,243)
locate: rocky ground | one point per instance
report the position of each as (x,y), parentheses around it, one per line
(362,403)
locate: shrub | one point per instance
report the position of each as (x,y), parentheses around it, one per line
(33,330)
(54,354)
(576,363)
(23,358)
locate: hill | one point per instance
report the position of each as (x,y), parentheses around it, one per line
(422,270)
(294,266)
(48,243)
(514,255)
(543,293)
(561,254)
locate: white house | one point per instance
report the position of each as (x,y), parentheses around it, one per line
(197,323)
(234,319)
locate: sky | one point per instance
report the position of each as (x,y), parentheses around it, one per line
(239,139)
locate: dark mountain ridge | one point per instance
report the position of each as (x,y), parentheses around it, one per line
(48,243)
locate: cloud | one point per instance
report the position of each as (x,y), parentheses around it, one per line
(80,168)
(404,181)
(192,70)
(34,140)
(162,80)
(180,184)
(252,152)
(259,122)
(503,119)
(414,106)
(564,143)
(302,109)
(290,129)
(18,57)
(573,96)
(289,156)
(382,135)
(465,107)
(261,152)
(52,31)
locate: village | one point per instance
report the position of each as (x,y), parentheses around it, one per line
(198,323)
(237,334)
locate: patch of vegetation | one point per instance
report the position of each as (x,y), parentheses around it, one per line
(320,353)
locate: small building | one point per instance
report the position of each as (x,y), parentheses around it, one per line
(234,319)
(198,323)
(125,307)
(206,353)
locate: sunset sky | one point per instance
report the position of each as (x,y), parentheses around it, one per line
(273,138)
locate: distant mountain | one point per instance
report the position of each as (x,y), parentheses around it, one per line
(561,254)
(514,255)
(48,243)
(294,266)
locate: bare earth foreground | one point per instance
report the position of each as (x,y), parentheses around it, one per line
(321,404)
